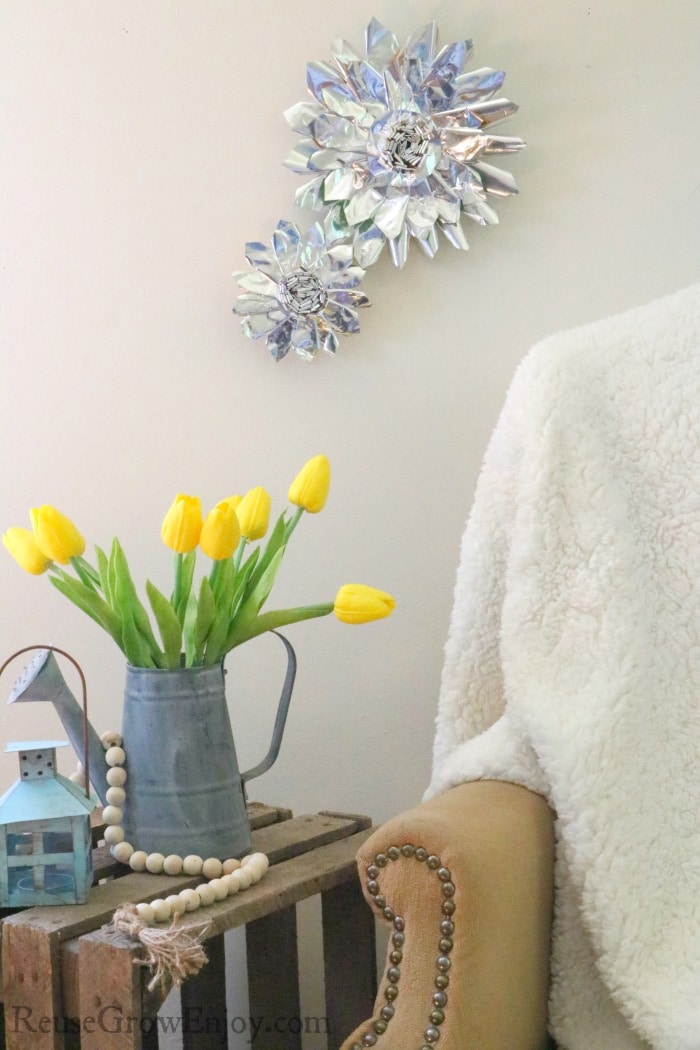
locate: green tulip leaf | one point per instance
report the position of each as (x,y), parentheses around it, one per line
(188,630)
(135,647)
(273,620)
(103,568)
(206,614)
(129,604)
(91,604)
(168,624)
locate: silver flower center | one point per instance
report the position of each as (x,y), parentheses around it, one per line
(303,293)
(406,144)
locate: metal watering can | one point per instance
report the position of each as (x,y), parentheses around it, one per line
(184,792)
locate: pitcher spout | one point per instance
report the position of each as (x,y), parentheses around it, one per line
(43,680)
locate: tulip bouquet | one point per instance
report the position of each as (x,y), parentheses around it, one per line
(196,625)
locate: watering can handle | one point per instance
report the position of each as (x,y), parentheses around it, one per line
(281,719)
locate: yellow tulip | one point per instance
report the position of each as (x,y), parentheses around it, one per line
(254,513)
(309,489)
(23,548)
(356,603)
(232,501)
(182,524)
(221,532)
(56,536)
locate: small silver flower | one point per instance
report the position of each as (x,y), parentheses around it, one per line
(395,141)
(301,292)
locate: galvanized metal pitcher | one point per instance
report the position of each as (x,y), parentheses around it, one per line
(184,792)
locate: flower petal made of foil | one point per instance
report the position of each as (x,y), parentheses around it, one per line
(465,145)
(301,115)
(248,303)
(330,341)
(285,244)
(354,300)
(344,54)
(481,213)
(340,318)
(381,45)
(422,213)
(262,258)
(437,91)
(279,341)
(368,85)
(330,159)
(339,255)
(429,243)
(257,325)
(306,338)
(363,205)
(298,159)
(455,235)
(368,245)
(399,91)
(448,211)
(339,185)
(310,195)
(326,86)
(338,132)
(456,119)
(347,278)
(398,247)
(334,224)
(479,85)
(255,281)
(503,144)
(494,111)
(495,180)
(419,53)
(391,214)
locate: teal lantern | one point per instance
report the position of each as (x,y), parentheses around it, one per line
(45,836)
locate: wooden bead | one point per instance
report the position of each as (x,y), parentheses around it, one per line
(122,852)
(191,899)
(114,834)
(110,738)
(161,910)
(230,865)
(206,894)
(172,865)
(231,882)
(145,913)
(137,860)
(192,864)
(115,756)
(154,863)
(116,776)
(116,796)
(78,778)
(259,859)
(177,905)
(112,815)
(212,868)
(220,889)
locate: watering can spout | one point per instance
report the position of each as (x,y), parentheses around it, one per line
(43,680)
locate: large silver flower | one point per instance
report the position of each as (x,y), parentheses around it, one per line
(395,142)
(300,293)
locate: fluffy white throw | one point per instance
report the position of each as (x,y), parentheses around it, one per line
(572,664)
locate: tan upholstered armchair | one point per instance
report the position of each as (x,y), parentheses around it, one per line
(465,884)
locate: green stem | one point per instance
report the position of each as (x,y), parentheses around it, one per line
(293,523)
(177,585)
(239,553)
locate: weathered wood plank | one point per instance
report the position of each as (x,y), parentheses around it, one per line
(31,987)
(349,959)
(109,994)
(273,980)
(203,999)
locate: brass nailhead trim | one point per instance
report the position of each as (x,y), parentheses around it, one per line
(379,1025)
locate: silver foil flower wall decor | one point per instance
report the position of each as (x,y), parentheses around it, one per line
(395,141)
(301,292)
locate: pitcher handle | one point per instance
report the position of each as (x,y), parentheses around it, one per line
(281,719)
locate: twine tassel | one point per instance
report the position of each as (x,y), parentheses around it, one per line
(173,954)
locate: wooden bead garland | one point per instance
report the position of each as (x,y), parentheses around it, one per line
(225,877)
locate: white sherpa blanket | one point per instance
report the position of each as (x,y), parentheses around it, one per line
(573,660)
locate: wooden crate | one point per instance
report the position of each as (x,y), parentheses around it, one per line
(69,980)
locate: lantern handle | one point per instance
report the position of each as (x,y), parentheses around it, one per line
(62,652)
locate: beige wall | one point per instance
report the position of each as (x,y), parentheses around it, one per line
(142,146)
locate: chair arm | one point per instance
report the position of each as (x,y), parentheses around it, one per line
(495,846)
